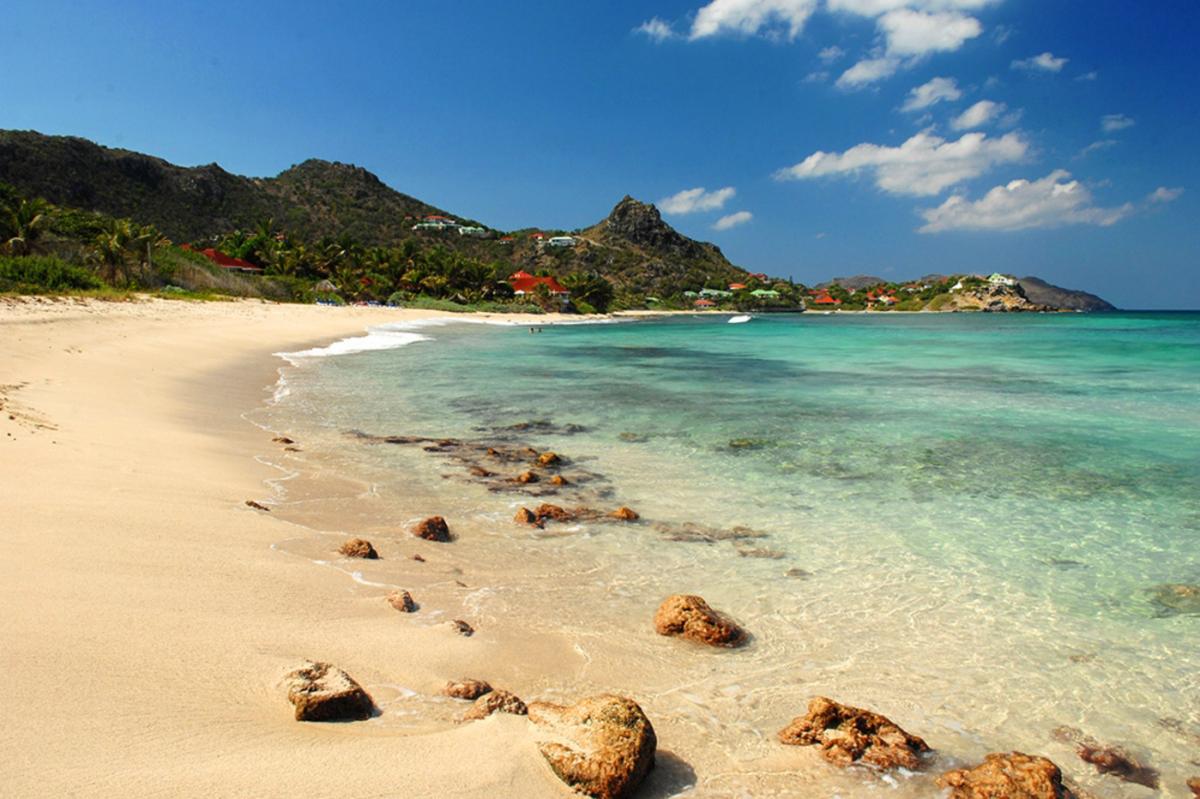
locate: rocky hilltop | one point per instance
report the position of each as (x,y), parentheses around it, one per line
(1043,293)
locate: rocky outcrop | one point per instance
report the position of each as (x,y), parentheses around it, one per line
(321,692)
(402,601)
(602,746)
(849,735)
(994,299)
(690,617)
(358,548)
(467,689)
(625,514)
(495,702)
(1014,775)
(432,529)
(1043,293)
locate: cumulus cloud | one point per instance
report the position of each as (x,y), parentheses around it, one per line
(978,115)
(656,29)
(831,54)
(924,165)
(873,8)
(733,220)
(1052,201)
(868,71)
(1163,195)
(1114,122)
(931,93)
(692,201)
(775,18)
(917,33)
(1046,62)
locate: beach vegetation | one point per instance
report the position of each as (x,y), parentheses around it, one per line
(26,274)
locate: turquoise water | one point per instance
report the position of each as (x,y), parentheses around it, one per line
(961,519)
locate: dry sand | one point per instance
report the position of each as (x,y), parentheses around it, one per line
(145,619)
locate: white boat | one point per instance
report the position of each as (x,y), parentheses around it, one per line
(737,320)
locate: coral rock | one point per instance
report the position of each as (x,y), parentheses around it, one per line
(1007,776)
(402,601)
(691,617)
(433,529)
(602,746)
(527,477)
(849,735)
(495,702)
(466,689)
(548,459)
(462,628)
(321,692)
(358,548)
(625,514)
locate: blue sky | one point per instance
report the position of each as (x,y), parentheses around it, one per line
(895,137)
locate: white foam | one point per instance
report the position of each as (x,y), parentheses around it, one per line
(379,338)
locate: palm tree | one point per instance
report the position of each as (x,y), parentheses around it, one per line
(111,249)
(24,223)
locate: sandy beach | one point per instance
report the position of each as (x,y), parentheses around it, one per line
(147,619)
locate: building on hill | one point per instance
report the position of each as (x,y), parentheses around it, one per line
(737,286)
(715,294)
(704,304)
(825,299)
(562,241)
(765,294)
(524,283)
(998,279)
(226,261)
(473,231)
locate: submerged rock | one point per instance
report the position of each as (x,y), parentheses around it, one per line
(559,480)
(283,440)
(402,601)
(1177,598)
(690,616)
(358,548)
(1194,786)
(257,506)
(479,471)
(625,514)
(527,477)
(495,702)
(467,689)
(321,692)
(602,746)
(849,735)
(1119,763)
(433,529)
(552,512)
(1014,775)
(462,628)
(549,459)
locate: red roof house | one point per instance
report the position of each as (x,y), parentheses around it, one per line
(705,304)
(736,286)
(525,283)
(227,261)
(825,299)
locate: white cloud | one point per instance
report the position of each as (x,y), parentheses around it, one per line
(733,220)
(774,18)
(691,201)
(1046,62)
(924,165)
(867,71)
(1163,195)
(978,115)
(1052,201)
(916,33)
(1093,75)
(831,54)
(874,8)
(931,93)
(1115,122)
(656,29)
(819,76)
(1096,147)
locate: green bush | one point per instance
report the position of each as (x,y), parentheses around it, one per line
(31,274)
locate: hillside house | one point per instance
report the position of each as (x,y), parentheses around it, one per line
(716,294)
(825,299)
(562,241)
(227,261)
(765,294)
(704,304)
(737,286)
(998,279)
(473,231)
(524,283)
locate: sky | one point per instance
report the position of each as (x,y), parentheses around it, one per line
(806,138)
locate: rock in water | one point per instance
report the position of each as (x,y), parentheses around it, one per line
(495,702)
(526,516)
(850,735)
(402,601)
(321,692)
(1177,598)
(462,628)
(602,746)
(1194,785)
(358,548)
(433,529)
(1007,776)
(527,477)
(691,617)
(548,459)
(553,512)
(1119,763)
(559,480)
(625,514)
(467,689)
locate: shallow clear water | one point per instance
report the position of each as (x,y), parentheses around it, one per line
(958,520)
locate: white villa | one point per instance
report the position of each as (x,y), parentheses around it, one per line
(562,241)
(471,230)
(998,279)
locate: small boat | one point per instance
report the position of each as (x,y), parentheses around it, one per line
(737,320)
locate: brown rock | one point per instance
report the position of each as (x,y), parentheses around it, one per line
(292,449)
(559,480)
(1014,775)
(462,628)
(1194,785)
(1119,763)
(849,735)
(479,471)
(402,601)
(625,514)
(418,558)
(257,506)
(548,459)
(526,516)
(602,746)
(466,689)
(530,452)
(283,440)
(321,692)
(552,512)
(433,529)
(527,477)
(495,702)
(691,617)
(358,548)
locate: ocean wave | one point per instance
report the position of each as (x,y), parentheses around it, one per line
(385,337)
